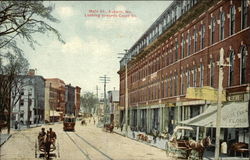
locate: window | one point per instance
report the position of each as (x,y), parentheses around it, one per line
(182,83)
(213,22)
(195,40)
(189,44)
(201,75)
(183,47)
(211,73)
(243,53)
(166,87)
(176,50)
(188,78)
(194,77)
(171,86)
(231,68)
(243,14)
(21,102)
(232,20)
(222,24)
(202,36)
(175,84)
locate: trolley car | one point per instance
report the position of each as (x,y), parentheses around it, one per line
(69,123)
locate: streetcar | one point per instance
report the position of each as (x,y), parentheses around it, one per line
(69,123)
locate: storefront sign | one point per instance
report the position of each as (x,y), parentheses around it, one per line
(235,98)
(205,93)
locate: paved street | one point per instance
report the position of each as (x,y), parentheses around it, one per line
(87,142)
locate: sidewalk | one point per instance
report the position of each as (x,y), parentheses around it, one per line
(160,143)
(4,138)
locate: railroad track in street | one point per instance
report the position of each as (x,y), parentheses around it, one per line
(86,148)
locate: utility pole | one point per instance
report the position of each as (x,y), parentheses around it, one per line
(105,80)
(218,116)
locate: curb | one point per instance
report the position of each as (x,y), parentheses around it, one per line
(6,139)
(138,141)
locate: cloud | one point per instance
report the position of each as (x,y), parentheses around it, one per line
(65,11)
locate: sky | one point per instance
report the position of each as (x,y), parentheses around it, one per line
(92,42)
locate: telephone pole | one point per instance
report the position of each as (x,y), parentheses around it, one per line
(105,80)
(218,116)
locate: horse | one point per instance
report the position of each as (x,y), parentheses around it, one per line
(83,122)
(199,146)
(109,127)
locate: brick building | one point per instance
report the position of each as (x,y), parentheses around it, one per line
(77,100)
(55,98)
(181,50)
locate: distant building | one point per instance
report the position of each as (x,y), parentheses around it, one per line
(77,100)
(70,99)
(56,99)
(28,105)
(113,103)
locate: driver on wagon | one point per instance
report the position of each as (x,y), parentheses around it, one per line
(52,135)
(41,135)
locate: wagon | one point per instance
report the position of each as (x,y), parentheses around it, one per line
(177,145)
(46,148)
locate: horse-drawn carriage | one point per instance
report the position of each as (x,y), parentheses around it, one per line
(182,145)
(45,145)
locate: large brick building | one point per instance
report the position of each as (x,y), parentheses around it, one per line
(181,49)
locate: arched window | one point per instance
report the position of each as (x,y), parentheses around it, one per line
(201,75)
(212,31)
(194,77)
(231,68)
(211,73)
(222,23)
(243,14)
(243,56)
(202,36)
(232,20)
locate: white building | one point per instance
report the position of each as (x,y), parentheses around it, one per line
(28,103)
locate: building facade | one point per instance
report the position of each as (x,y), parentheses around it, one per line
(181,50)
(113,104)
(70,99)
(28,105)
(55,97)
(77,100)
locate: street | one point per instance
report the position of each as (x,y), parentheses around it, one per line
(87,142)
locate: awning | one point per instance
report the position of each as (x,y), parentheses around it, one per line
(233,115)
(54,114)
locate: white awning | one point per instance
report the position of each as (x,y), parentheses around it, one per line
(54,113)
(233,115)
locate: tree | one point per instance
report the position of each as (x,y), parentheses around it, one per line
(10,85)
(89,102)
(22,19)
(19,20)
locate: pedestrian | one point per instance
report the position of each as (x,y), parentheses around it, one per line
(16,125)
(94,121)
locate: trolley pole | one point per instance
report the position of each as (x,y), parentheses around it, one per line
(218,116)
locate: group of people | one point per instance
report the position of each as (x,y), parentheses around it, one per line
(50,135)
